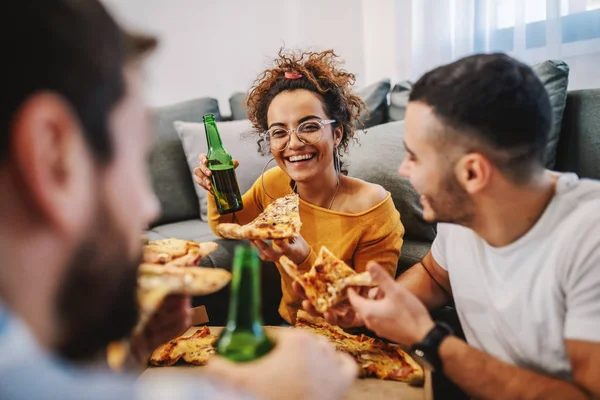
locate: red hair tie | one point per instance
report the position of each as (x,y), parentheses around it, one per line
(292,75)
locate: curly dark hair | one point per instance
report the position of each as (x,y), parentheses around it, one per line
(322,74)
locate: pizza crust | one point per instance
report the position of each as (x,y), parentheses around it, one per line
(279,220)
(177,252)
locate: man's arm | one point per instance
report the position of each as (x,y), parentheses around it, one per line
(483,376)
(428,281)
(478,374)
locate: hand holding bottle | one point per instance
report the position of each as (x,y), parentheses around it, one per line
(202,173)
(219,167)
(301,366)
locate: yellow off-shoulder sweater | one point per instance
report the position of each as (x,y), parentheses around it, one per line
(374,234)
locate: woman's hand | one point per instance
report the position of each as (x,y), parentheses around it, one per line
(202,173)
(296,249)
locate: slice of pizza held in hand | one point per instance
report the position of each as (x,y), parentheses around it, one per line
(279,220)
(326,284)
(155,282)
(177,252)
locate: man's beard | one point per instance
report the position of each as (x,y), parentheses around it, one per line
(452,204)
(97,302)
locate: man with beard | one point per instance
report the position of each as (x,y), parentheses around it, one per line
(74,200)
(515,248)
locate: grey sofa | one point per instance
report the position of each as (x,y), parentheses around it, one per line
(376,159)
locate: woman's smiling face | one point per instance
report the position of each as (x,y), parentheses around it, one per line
(300,161)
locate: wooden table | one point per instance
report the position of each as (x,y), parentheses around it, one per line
(369,388)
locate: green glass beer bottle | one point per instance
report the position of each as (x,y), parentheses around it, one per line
(223,179)
(244,338)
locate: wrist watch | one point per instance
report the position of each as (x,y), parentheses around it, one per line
(428,350)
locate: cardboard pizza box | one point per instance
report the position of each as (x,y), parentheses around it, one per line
(367,388)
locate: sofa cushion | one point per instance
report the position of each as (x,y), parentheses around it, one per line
(236,140)
(554,75)
(579,143)
(376,159)
(399,100)
(411,253)
(237,103)
(191,229)
(168,167)
(375,97)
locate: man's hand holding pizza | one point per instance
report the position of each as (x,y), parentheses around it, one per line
(396,314)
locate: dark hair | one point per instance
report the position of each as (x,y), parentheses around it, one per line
(495,100)
(321,73)
(74,49)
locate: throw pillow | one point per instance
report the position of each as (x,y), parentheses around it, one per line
(237,103)
(399,100)
(168,167)
(375,97)
(242,148)
(554,75)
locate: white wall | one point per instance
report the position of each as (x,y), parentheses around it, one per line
(215,48)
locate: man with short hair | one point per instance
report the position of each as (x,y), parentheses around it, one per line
(516,248)
(75,198)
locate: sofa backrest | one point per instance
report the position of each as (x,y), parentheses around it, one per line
(579,142)
(376,159)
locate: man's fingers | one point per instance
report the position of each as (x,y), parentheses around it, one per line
(349,367)
(221,369)
(236,163)
(359,303)
(381,277)
(173,324)
(331,318)
(172,304)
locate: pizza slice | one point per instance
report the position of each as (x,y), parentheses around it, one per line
(374,356)
(194,349)
(177,252)
(155,282)
(279,220)
(326,284)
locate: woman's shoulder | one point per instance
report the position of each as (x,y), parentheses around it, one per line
(364,196)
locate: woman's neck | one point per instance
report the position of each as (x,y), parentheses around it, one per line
(320,193)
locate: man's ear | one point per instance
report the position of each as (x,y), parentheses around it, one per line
(52,164)
(473,171)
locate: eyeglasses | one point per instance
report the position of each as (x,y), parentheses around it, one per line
(308,132)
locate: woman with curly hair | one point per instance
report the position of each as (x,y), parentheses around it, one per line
(304,112)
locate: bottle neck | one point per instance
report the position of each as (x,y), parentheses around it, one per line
(212,135)
(244,306)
